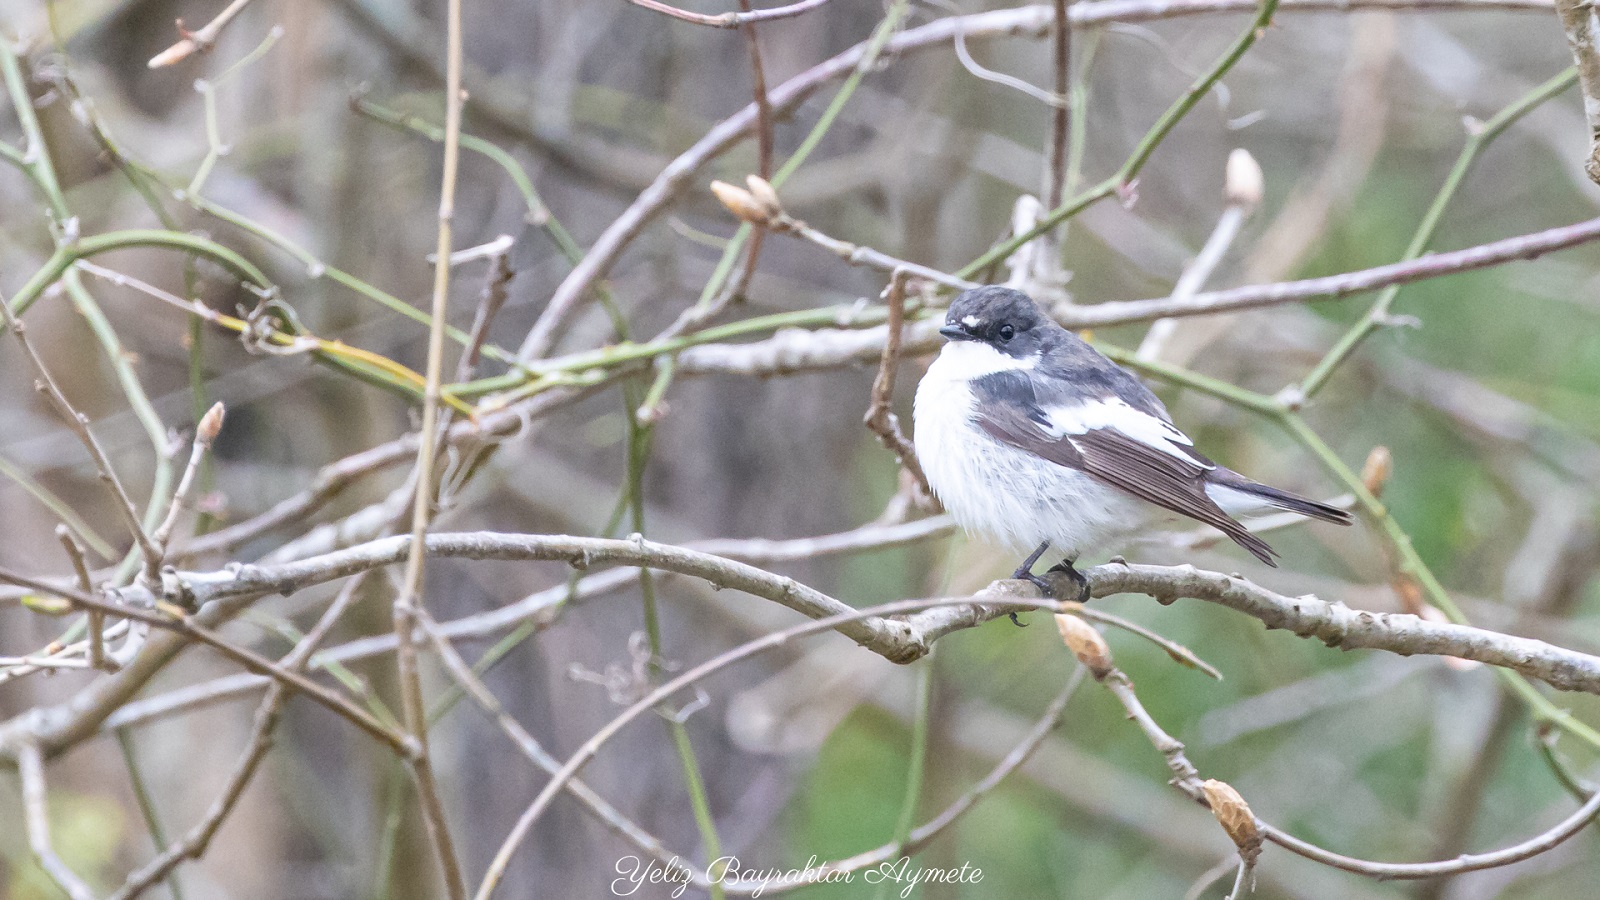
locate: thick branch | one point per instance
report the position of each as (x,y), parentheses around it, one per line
(1340,626)
(1582,25)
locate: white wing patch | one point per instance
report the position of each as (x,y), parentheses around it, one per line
(1080,418)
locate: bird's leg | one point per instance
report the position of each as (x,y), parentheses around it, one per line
(1065,568)
(1025,573)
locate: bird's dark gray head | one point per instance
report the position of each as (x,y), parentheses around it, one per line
(1003,318)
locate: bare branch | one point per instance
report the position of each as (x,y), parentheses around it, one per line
(540,608)
(1332,287)
(666,691)
(197,41)
(30,768)
(1340,626)
(1583,29)
(97,619)
(78,423)
(880,418)
(193,845)
(797,350)
(205,433)
(1187,779)
(732,19)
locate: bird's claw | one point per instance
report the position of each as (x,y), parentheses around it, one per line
(1065,568)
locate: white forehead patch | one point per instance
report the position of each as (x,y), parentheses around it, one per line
(971,321)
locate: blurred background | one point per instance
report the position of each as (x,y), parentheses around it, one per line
(1489,402)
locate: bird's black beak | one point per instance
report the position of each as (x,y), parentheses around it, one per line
(955,332)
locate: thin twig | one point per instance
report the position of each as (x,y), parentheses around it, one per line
(880,417)
(409,599)
(1187,779)
(193,844)
(668,689)
(205,433)
(29,730)
(758,86)
(1176,651)
(732,19)
(1582,28)
(97,619)
(496,286)
(1547,840)
(78,423)
(542,607)
(1241,203)
(30,769)
(197,41)
(1055,172)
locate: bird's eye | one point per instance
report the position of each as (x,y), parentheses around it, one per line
(1007,332)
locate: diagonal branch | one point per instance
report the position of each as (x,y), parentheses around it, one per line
(1579,21)
(1340,626)
(731,19)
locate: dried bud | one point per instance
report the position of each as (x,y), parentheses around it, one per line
(1379,465)
(176,53)
(1085,643)
(765,195)
(740,202)
(1245,184)
(1235,817)
(210,425)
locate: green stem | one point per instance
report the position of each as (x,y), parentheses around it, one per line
(640,437)
(1141,153)
(58,508)
(869,57)
(318,269)
(147,804)
(538,213)
(914,768)
(1406,559)
(626,352)
(35,162)
(1378,314)
(68,253)
(1410,564)
(1259,403)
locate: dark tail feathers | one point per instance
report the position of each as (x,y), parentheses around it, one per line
(1281,499)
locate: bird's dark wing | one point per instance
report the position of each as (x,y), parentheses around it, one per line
(1105,437)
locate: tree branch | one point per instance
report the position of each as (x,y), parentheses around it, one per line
(1340,626)
(1579,21)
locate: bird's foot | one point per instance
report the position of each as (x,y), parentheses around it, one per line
(1065,568)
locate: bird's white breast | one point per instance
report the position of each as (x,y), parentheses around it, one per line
(998,491)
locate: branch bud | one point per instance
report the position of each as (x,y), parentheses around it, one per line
(1375,473)
(741,203)
(1235,817)
(1244,183)
(765,195)
(1085,643)
(210,425)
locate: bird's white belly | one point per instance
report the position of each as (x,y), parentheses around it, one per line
(1005,494)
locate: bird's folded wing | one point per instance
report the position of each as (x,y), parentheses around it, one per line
(1126,448)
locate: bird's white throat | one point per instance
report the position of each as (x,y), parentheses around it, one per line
(966,360)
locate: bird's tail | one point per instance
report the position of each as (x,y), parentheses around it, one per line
(1271,496)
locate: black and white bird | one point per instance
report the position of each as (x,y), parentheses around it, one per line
(1032,438)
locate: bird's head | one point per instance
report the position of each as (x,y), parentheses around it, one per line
(1001,318)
